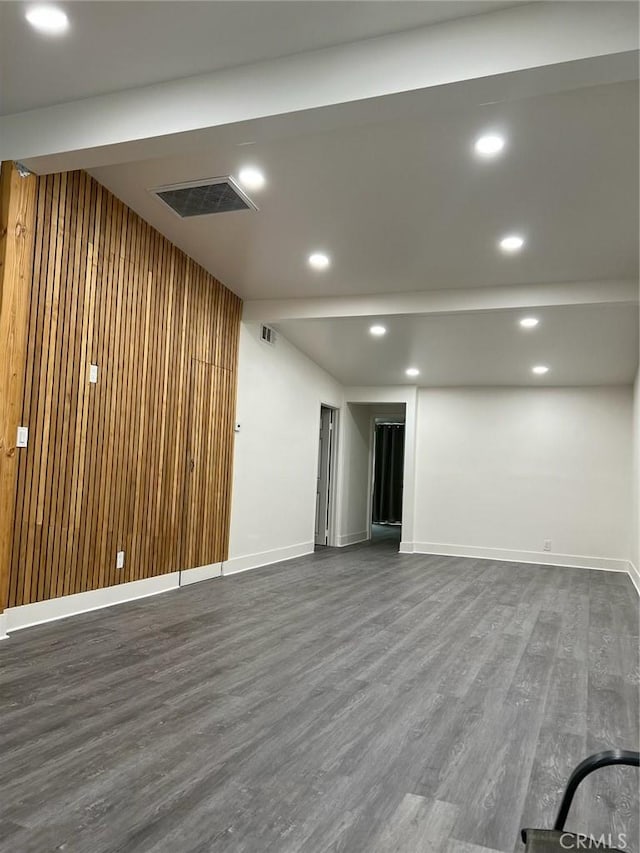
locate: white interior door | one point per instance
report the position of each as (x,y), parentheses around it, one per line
(323,487)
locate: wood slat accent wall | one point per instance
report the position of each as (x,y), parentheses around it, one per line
(140,461)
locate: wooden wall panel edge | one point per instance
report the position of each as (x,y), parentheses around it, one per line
(17,228)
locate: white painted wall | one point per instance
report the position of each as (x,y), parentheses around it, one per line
(498,471)
(635,503)
(634,550)
(280,392)
(488,472)
(355,461)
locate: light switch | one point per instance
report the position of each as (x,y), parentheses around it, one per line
(120,560)
(22,437)
(93,374)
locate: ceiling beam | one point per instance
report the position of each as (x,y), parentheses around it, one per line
(111,128)
(450,301)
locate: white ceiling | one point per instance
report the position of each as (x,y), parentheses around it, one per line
(121,45)
(403,205)
(370,159)
(583,345)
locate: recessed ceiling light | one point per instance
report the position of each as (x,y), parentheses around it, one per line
(319,261)
(511,243)
(529,322)
(540,369)
(412,371)
(378,331)
(251,178)
(47,19)
(489,145)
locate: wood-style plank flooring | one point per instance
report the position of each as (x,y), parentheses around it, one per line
(353,700)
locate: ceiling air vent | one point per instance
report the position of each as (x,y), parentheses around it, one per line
(200,198)
(268,335)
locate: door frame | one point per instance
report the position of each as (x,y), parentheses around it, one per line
(332,496)
(375,419)
(187,484)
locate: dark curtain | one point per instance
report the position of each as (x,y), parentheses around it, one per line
(387,487)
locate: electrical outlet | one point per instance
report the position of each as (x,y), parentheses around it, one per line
(547,544)
(93,374)
(120,560)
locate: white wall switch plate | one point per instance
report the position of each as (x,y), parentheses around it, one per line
(120,560)
(22,436)
(93,374)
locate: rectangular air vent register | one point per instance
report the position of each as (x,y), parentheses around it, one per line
(268,335)
(203,197)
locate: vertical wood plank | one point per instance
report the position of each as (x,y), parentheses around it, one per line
(17,219)
(25,463)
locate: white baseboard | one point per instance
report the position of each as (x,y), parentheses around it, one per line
(27,615)
(266,558)
(546,558)
(352,538)
(634,574)
(200,573)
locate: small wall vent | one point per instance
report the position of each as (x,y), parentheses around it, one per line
(268,335)
(203,197)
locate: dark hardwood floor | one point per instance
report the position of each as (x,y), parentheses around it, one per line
(352,700)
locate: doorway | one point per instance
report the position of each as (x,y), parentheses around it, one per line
(324,478)
(388,479)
